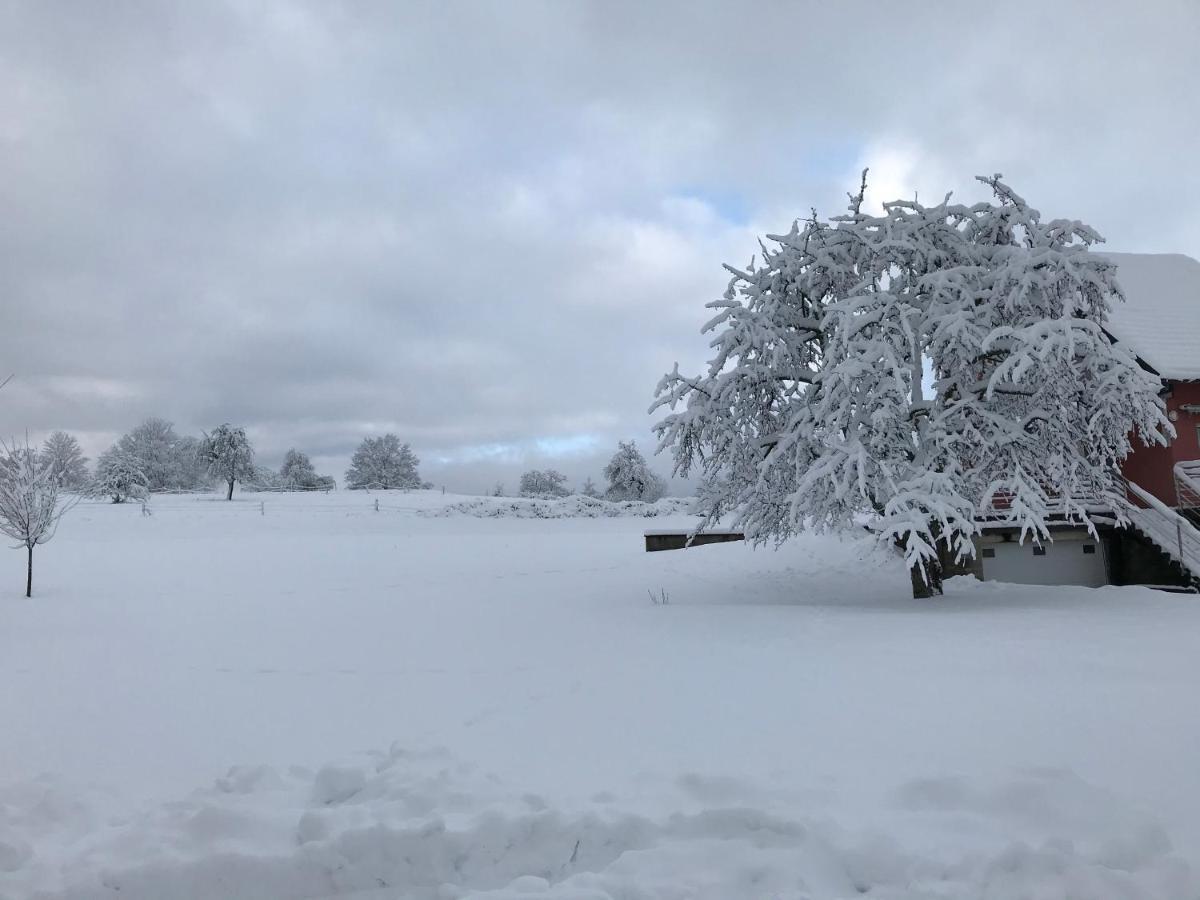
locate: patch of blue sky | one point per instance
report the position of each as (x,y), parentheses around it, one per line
(729,204)
(551,446)
(829,161)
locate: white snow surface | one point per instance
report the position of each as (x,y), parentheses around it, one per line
(1160,318)
(302,697)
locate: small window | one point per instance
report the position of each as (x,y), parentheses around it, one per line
(1089,548)
(1039,551)
(989,552)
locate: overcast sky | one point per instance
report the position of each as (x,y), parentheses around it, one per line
(491,227)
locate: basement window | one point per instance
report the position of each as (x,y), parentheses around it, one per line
(1089,548)
(1039,551)
(989,552)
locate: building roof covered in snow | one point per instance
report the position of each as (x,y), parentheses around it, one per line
(1160,318)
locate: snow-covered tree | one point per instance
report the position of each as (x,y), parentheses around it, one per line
(189,468)
(544,483)
(29,504)
(297,470)
(229,456)
(67,461)
(297,473)
(629,478)
(910,368)
(498,490)
(589,489)
(152,447)
(383,462)
(118,476)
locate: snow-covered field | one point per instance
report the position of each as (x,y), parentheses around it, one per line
(311,698)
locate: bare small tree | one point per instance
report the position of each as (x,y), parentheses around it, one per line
(29,506)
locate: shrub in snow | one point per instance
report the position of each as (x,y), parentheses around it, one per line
(629,478)
(264,479)
(29,503)
(816,408)
(228,455)
(589,489)
(574,507)
(385,463)
(118,477)
(65,457)
(547,483)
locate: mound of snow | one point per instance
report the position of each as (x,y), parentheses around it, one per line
(424,826)
(573,507)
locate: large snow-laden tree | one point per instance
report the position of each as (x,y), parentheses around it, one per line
(29,502)
(66,459)
(817,411)
(229,456)
(383,462)
(629,478)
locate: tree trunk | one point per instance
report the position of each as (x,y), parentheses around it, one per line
(927,584)
(29,572)
(229,496)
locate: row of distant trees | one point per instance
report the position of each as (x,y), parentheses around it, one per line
(154,458)
(628,476)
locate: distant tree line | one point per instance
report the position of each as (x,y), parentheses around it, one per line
(154,458)
(628,476)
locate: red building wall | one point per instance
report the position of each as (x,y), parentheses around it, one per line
(1151,468)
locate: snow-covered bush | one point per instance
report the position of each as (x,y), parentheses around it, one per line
(29,504)
(573,507)
(543,483)
(629,478)
(118,477)
(384,463)
(817,408)
(66,459)
(228,455)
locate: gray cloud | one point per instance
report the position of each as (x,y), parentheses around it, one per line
(490,227)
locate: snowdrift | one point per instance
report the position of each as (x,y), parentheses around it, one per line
(424,826)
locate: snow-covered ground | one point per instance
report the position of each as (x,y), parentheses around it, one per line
(310,698)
